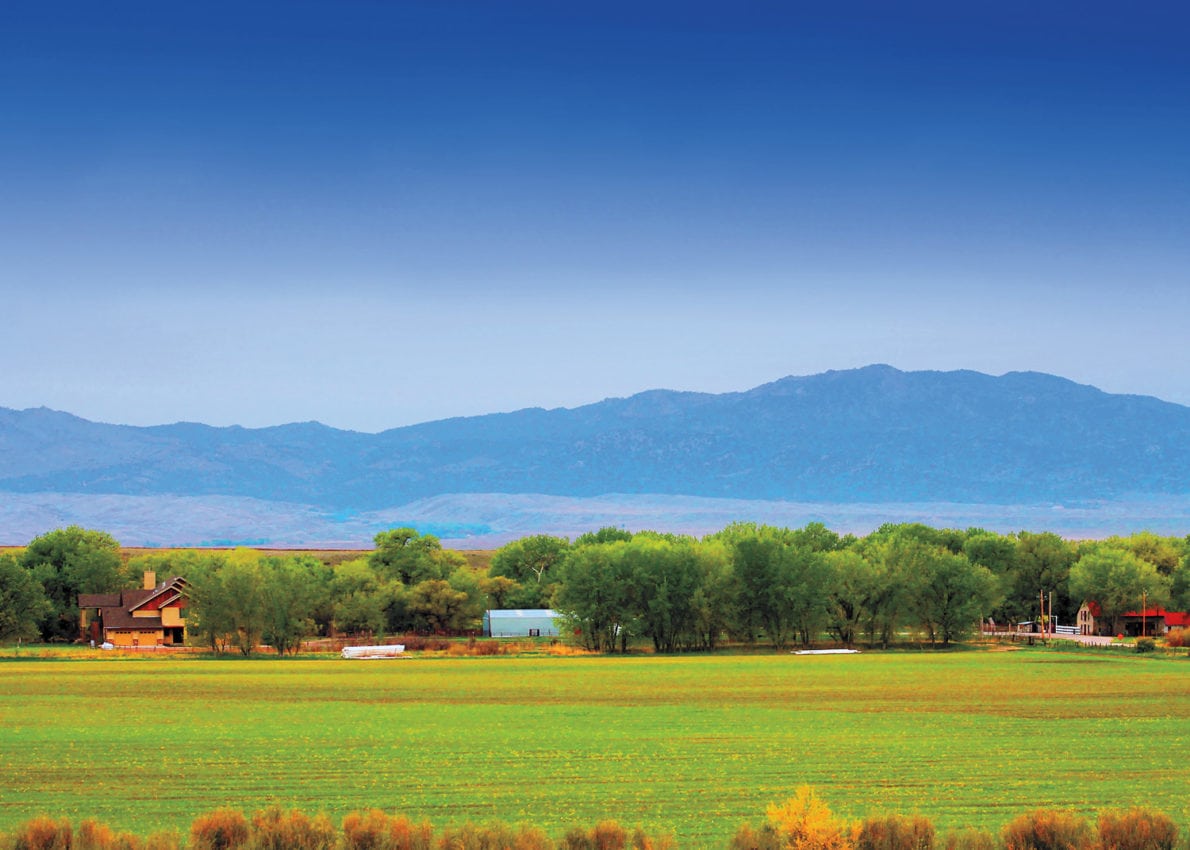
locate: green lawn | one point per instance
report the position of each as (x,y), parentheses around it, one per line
(688,745)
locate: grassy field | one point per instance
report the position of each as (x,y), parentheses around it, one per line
(689,745)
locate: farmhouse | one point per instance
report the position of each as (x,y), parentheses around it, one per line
(520,622)
(1147,623)
(152,615)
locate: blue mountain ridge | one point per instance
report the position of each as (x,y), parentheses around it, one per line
(875,434)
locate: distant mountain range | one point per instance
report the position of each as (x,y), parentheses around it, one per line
(870,435)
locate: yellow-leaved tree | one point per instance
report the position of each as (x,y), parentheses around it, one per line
(805,822)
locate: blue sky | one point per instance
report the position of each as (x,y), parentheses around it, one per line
(378,213)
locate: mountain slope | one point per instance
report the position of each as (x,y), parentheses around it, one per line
(871,434)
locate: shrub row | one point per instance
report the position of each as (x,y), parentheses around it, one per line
(276,829)
(802,823)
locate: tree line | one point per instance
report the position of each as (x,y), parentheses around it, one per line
(784,586)
(747,582)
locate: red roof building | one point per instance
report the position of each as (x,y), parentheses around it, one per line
(1149,622)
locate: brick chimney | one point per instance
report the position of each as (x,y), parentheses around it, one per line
(150,580)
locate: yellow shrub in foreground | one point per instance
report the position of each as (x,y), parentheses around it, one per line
(805,822)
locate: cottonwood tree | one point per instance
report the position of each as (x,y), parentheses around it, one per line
(409,557)
(67,562)
(953,594)
(359,598)
(594,595)
(438,607)
(664,575)
(531,562)
(292,588)
(208,618)
(23,603)
(855,584)
(1043,565)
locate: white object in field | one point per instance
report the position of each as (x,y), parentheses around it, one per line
(826,652)
(106,645)
(389,651)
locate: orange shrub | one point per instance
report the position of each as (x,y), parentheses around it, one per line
(274,829)
(1136,829)
(609,835)
(531,838)
(805,822)
(222,829)
(43,833)
(895,832)
(368,831)
(93,835)
(1177,638)
(1047,829)
(404,834)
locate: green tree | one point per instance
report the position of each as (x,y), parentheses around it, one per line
(665,576)
(815,537)
(952,594)
(856,587)
(1164,553)
(714,597)
(499,591)
(438,607)
(23,603)
(67,562)
(292,588)
(891,601)
(607,534)
(209,614)
(594,595)
(532,563)
(782,587)
(359,599)
(1179,591)
(408,557)
(245,596)
(1043,566)
(1118,581)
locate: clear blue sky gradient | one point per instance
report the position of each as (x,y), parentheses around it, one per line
(377,213)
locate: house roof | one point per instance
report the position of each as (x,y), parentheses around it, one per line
(98,600)
(120,618)
(116,609)
(174,587)
(1151,613)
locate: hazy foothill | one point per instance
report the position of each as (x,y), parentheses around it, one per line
(853,449)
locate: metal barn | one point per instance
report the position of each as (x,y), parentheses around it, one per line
(520,622)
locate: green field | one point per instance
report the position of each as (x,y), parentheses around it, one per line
(688,745)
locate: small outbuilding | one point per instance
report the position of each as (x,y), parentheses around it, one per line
(520,622)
